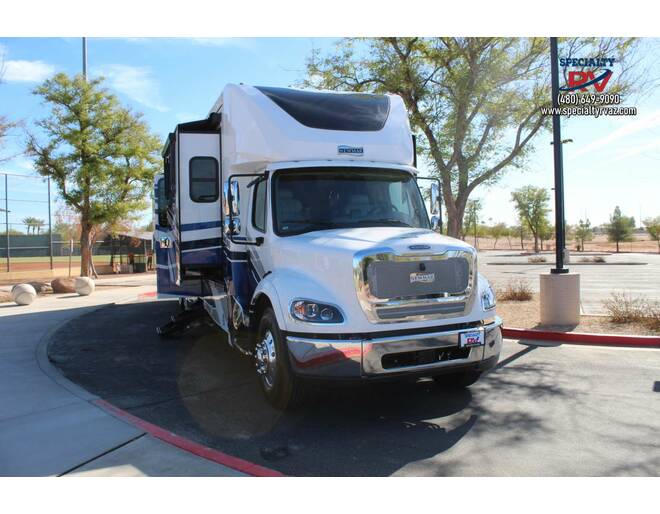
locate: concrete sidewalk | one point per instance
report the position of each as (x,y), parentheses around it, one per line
(48,425)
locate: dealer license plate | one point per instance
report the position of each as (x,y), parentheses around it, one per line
(474,338)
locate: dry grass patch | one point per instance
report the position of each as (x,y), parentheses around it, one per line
(624,308)
(517,290)
(537,259)
(597,258)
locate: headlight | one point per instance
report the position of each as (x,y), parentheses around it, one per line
(315,312)
(488,300)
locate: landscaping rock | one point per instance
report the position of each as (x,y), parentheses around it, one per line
(63,285)
(23,294)
(5,296)
(84,286)
(41,287)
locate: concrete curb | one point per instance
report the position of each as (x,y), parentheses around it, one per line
(583,338)
(183,443)
(49,369)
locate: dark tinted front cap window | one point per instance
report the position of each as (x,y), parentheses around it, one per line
(330,111)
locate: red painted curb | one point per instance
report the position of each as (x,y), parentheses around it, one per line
(205,452)
(150,294)
(582,338)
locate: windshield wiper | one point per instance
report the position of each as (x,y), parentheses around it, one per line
(386,221)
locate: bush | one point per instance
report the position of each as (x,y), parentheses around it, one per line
(537,259)
(597,258)
(517,290)
(625,308)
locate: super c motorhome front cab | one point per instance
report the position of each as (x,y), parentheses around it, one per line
(295,218)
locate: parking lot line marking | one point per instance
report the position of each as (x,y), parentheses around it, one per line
(200,450)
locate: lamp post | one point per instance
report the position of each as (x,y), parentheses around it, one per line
(84,58)
(6,211)
(560,232)
(559,289)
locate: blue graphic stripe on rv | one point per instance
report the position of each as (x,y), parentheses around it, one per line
(200,226)
(201,243)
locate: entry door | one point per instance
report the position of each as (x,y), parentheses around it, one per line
(200,226)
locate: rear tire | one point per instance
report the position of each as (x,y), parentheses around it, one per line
(282,389)
(458,380)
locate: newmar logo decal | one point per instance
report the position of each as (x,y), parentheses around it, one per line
(424,278)
(353,150)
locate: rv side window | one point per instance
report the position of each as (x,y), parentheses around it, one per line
(259,208)
(161,203)
(203,179)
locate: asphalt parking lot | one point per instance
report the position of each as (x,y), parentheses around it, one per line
(556,410)
(637,274)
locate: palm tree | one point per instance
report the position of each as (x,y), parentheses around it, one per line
(29,222)
(38,223)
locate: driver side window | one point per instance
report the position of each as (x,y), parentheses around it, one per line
(259,206)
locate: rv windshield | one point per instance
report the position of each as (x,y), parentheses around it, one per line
(311,199)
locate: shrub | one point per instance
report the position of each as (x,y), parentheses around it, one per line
(625,308)
(537,259)
(597,258)
(517,290)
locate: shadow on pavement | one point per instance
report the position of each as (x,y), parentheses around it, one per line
(198,387)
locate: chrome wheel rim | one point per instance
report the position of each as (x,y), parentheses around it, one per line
(265,358)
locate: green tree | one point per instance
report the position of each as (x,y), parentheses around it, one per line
(520,231)
(476,101)
(583,233)
(546,231)
(100,155)
(620,228)
(6,125)
(471,220)
(30,223)
(498,231)
(532,207)
(652,226)
(39,224)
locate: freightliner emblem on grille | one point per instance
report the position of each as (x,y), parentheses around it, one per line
(424,278)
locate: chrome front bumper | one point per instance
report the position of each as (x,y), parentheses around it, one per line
(363,357)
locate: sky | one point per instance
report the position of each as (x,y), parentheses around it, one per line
(612,161)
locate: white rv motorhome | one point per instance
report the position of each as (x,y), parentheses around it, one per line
(296,219)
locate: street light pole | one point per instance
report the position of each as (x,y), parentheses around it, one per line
(560,233)
(6,209)
(84,58)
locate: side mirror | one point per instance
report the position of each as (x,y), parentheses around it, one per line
(435,223)
(435,198)
(232,227)
(234,198)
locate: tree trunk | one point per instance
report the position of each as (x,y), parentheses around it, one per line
(536,244)
(617,247)
(85,249)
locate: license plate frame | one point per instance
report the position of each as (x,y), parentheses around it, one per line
(471,338)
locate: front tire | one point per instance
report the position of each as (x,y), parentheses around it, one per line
(281,388)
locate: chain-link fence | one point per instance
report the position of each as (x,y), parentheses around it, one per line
(30,239)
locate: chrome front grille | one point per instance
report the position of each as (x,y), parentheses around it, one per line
(397,278)
(393,287)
